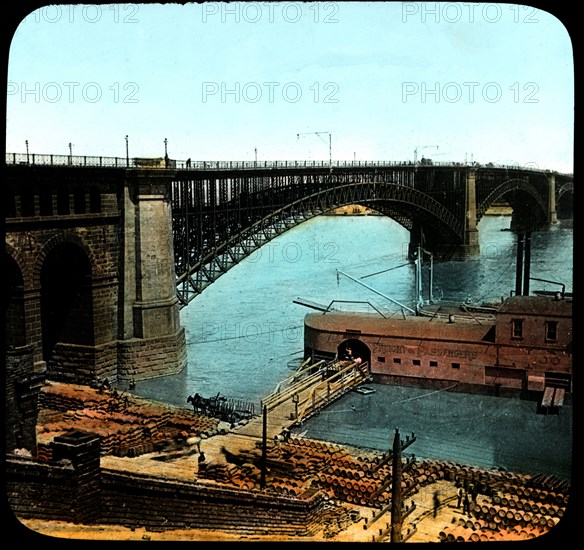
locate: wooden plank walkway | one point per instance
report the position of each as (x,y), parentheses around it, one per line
(548,396)
(559,397)
(304,393)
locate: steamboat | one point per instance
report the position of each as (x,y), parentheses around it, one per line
(521,347)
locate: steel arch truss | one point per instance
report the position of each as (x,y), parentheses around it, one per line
(510,187)
(401,202)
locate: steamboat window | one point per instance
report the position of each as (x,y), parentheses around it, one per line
(381,359)
(551,331)
(455,365)
(397,360)
(416,362)
(517,328)
(433,363)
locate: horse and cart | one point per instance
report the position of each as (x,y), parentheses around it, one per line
(226,409)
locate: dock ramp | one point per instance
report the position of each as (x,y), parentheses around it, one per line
(552,399)
(315,385)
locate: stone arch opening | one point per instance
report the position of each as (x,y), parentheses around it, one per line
(66,299)
(352,349)
(565,202)
(14,304)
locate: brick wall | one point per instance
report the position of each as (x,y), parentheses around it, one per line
(72,487)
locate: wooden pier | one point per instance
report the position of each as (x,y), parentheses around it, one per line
(308,390)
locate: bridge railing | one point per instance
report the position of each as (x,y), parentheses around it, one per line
(136,162)
(66,160)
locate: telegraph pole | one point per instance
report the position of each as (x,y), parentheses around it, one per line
(421,147)
(397,506)
(330,144)
(264,448)
(396,492)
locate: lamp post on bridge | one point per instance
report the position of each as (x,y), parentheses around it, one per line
(27,155)
(165,153)
(330,141)
(70,153)
(127,153)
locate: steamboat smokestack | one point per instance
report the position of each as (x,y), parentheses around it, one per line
(527,263)
(519,269)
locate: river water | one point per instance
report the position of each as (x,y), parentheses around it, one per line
(244,333)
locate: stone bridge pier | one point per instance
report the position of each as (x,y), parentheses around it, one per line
(152,342)
(426,236)
(90,283)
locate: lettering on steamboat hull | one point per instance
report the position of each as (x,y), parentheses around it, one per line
(525,348)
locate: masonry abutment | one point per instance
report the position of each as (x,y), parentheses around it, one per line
(149,283)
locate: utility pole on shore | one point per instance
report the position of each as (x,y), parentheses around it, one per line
(396,486)
(264,448)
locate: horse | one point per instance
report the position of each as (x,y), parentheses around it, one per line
(197,402)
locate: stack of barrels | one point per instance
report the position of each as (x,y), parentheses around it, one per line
(126,425)
(523,506)
(475,531)
(518,507)
(510,505)
(245,477)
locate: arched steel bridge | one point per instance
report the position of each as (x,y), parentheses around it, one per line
(224,211)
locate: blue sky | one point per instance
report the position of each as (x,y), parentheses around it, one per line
(491,82)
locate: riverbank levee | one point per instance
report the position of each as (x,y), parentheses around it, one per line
(352,483)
